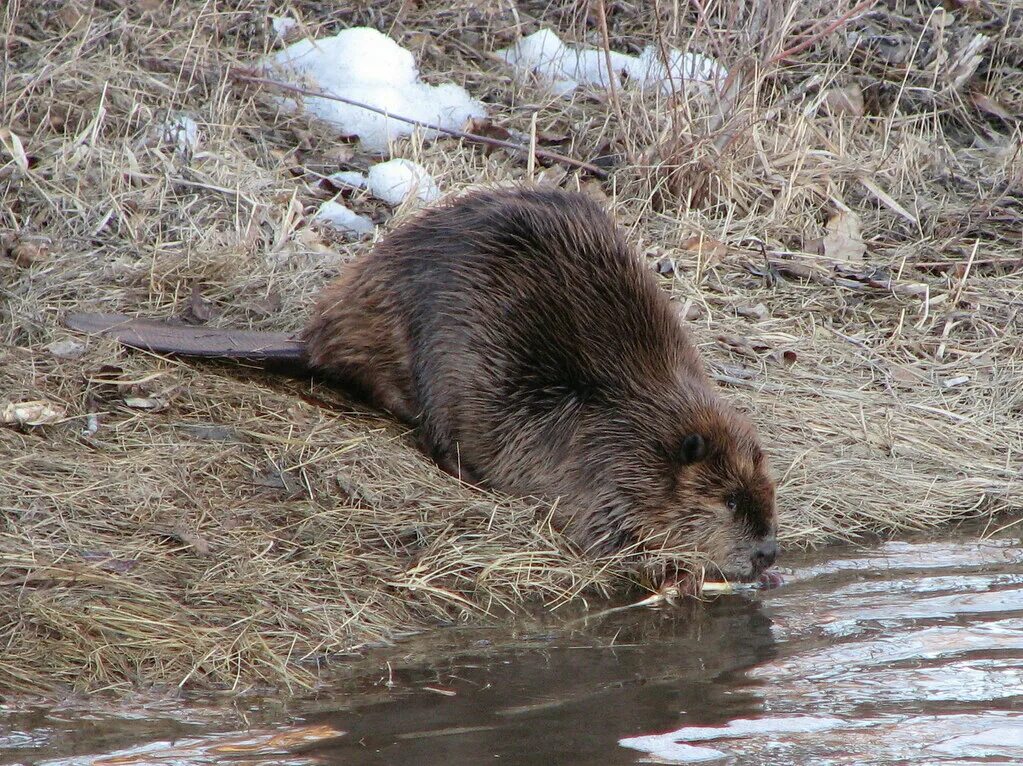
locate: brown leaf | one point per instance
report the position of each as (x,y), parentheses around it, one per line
(843,241)
(692,311)
(180,533)
(265,306)
(108,562)
(758,312)
(486,127)
(199,309)
(792,269)
(905,374)
(593,188)
(737,345)
(552,177)
(549,137)
(26,250)
(785,358)
(988,104)
(847,100)
(709,250)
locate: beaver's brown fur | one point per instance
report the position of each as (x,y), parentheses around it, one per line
(534,353)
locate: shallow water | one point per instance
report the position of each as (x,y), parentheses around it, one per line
(908,653)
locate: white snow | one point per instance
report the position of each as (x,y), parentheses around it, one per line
(395,180)
(352,178)
(362,64)
(180,131)
(282,25)
(340,217)
(565,68)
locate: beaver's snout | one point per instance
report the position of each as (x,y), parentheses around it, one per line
(764,554)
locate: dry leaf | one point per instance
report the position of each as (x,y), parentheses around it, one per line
(710,251)
(66,349)
(843,242)
(34,413)
(552,177)
(199,309)
(988,104)
(593,188)
(847,100)
(690,312)
(150,403)
(25,249)
(887,199)
(738,345)
(483,126)
(905,374)
(264,306)
(758,312)
(13,146)
(107,561)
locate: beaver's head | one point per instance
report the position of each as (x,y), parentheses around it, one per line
(700,482)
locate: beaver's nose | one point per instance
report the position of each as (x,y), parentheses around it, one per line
(765,553)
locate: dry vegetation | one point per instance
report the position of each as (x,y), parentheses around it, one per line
(204,525)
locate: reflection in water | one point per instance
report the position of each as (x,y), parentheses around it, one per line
(910,653)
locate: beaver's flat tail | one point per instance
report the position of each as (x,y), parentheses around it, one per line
(165,337)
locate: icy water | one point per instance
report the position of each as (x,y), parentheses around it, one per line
(907,653)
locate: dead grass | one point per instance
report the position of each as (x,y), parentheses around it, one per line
(243,530)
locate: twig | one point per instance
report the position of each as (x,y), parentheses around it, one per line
(823,33)
(611,77)
(245,75)
(966,273)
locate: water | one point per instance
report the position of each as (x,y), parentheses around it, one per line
(907,653)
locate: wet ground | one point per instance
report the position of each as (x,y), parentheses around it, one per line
(906,653)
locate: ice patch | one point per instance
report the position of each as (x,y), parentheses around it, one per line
(366,66)
(673,746)
(1000,740)
(340,217)
(565,68)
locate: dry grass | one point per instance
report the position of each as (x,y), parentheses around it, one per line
(243,532)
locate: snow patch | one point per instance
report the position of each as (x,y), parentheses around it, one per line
(351,178)
(282,25)
(340,217)
(565,68)
(393,181)
(366,66)
(181,132)
(396,180)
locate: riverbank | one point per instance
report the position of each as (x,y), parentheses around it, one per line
(844,242)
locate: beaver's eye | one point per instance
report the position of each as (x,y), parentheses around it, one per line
(732,503)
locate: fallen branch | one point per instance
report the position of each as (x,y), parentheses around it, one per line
(248,75)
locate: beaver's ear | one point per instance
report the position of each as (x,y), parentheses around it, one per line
(692,450)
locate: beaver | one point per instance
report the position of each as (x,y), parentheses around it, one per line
(533,353)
